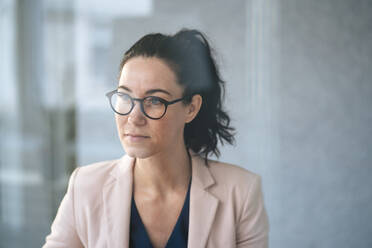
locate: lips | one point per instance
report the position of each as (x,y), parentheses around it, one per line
(135,138)
(136,135)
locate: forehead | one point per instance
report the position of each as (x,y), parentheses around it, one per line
(141,74)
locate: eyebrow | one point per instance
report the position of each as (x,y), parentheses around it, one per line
(148,92)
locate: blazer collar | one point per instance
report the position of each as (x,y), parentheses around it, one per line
(117,196)
(203,205)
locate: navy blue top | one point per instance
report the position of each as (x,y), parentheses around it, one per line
(178,238)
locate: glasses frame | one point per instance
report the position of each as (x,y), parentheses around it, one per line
(141,100)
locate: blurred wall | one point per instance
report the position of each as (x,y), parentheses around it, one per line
(298,91)
(325,124)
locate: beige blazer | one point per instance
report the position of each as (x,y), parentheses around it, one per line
(226,207)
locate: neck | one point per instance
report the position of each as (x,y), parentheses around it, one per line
(163,172)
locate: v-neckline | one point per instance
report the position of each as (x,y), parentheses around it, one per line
(184,211)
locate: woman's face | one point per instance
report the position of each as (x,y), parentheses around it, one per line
(140,136)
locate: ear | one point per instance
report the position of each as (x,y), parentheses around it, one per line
(193,108)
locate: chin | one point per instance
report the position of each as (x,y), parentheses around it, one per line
(137,152)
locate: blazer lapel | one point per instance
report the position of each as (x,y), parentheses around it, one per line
(117,196)
(203,205)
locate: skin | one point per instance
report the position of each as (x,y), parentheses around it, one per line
(162,169)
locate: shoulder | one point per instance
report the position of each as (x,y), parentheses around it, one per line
(97,169)
(238,189)
(234,186)
(92,177)
(231,175)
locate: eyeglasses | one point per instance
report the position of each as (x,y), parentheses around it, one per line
(152,107)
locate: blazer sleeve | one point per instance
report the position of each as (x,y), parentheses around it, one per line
(63,230)
(253,226)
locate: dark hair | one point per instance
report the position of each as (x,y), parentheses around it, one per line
(189,55)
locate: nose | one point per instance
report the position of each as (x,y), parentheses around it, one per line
(136,116)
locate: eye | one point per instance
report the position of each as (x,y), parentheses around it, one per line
(124,97)
(154,100)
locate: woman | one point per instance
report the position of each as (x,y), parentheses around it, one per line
(165,192)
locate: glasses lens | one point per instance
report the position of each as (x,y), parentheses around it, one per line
(153,107)
(121,103)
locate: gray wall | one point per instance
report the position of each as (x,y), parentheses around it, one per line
(325,125)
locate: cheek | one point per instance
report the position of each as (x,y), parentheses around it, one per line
(170,129)
(120,122)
